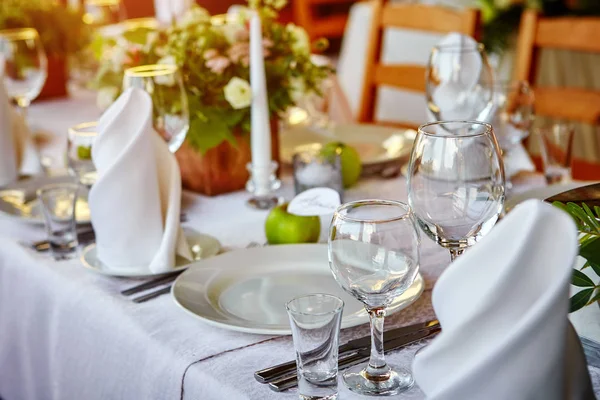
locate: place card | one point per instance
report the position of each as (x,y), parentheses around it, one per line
(317,201)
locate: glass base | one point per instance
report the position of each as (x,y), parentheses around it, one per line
(263,203)
(399,381)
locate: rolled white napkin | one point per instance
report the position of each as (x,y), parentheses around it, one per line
(17,152)
(503,309)
(135,203)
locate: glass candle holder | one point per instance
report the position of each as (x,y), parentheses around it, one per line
(313,169)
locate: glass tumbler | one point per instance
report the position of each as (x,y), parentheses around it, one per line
(315,320)
(80,140)
(313,169)
(556,144)
(58,206)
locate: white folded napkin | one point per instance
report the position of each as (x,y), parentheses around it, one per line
(135,203)
(503,309)
(17,152)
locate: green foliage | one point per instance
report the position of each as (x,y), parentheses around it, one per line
(61,29)
(588,224)
(195,43)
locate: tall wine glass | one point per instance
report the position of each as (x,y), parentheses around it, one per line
(456,182)
(24,65)
(460,83)
(103,12)
(170,103)
(374,256)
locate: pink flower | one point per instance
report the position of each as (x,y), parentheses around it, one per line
(267,43)
(218,64)
(242,35)
(210,53)
(238,52)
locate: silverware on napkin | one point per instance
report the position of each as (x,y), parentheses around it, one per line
(352,358)
(276,372)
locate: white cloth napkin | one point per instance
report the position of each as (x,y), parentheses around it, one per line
(17,152)
(503,309)
(136,200)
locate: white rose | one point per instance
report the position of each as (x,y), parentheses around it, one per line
(238,93)
(169,79)
(194,16)
(118,57)
(106,96)
(301,41)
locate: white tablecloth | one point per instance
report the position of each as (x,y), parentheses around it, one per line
(66,333)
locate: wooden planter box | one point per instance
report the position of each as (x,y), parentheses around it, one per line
(56,83)
(223,168)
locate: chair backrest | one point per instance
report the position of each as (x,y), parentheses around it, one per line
(420,17)
(313,16)
(567,33)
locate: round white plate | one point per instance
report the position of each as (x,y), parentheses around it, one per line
(209,247)
(246,290)
(542,193)
(375,144)
(18,200)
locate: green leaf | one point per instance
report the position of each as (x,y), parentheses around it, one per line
(208,129)
(595,298)
(577,211)
(595,267)
(581,280)
(597,211)
(580,299)
(592,218)
(590,250)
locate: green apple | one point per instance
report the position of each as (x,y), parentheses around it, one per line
(282,227)
(351,166)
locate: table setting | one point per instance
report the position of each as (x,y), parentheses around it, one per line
(200,234)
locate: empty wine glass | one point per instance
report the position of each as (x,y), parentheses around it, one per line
(456,182)
(169,99)
(459,82)
(24,65)
(103,12)
(513,102)
(374,256)
(80,139)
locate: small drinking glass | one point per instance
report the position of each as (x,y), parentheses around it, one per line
(165,86)
(24,65)
(456,182)
(315,321)
(556,145)
(81,138)
(58,206)
(103,12)
(459,83)
(313,169)
(374,256)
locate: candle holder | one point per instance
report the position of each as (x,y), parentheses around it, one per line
(261,185)
(314,170)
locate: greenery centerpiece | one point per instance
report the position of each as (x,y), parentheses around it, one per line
(212,53)
(62,33)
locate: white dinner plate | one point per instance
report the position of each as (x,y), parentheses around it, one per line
(18,200)
(202,246)
(246,290)
(542,193)
(375,144)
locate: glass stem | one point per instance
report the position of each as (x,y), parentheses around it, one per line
(454,253)
(377,370)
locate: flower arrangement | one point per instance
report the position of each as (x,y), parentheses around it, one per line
(502,17)
(212,54)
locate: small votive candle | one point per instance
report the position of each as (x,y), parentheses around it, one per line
(313,169)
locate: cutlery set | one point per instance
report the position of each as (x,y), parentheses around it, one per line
(283,376)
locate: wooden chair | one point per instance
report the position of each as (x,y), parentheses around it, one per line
(310,14)
(408,77)
(561,103)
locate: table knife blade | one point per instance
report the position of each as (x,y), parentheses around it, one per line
(269,374)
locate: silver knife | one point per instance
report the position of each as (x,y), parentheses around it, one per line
(269,374)
(357,357)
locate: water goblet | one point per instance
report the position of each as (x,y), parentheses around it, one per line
(456,182)
(459,83)
(374,256)
(80,140)
(58,203)
(170,104)
(24,65)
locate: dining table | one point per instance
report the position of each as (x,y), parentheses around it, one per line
(68,333)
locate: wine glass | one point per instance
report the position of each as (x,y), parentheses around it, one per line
(170,104)
(374,256)
(513,101)
(103,12)
(24,65)
(459,82)
(456,182)
(80,140)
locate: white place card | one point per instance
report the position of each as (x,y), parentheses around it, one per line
(316,201)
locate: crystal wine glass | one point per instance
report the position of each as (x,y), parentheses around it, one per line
(374,256)
(103,12)
(170,103)
(456,182)
(24,65)
(80,140)
(459,83)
